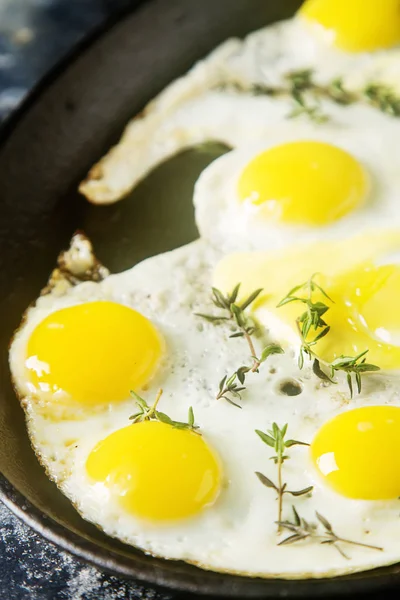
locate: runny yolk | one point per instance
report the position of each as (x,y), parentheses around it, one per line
(364,315)
(357,25)
(303,182)
(93,353)
(356,453)
(157,472)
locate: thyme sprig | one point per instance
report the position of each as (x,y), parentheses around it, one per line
(301,84)
(150,413)
(301,530)
(229,386)
(234,384)
(234,312)
(382,97)
(275,438)
(307,94)
(312,320)
(353,365)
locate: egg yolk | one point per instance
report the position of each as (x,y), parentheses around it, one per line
(94,352)
(374,297)
(365,315)
(157,472)
(303,182)
(357,25)
(357,453)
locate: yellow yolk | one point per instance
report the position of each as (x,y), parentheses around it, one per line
(375,299)
(157,472)
(364,314)
(303,182)
(357,25)
(357,453)
(94,352)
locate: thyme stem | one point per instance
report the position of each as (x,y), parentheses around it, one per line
(353,543)
(280,492)
(256,361)
(153,409)
(275,438)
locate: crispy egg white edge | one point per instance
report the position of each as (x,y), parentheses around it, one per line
(179,117)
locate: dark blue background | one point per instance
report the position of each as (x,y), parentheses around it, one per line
(35,33)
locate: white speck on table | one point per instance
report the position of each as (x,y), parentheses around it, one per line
(40,571)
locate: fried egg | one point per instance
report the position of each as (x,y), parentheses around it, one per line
(193,494)
(221,97)
(303,182)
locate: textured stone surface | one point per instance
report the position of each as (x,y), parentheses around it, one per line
(32,569)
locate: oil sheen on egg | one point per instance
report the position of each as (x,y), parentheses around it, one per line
(175,493)
(361,276)
(215,101)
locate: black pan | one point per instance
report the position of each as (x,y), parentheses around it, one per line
(46,148)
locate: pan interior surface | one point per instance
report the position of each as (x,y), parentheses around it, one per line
(47,147)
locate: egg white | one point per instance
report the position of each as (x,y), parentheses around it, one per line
(198,107)
(237,534)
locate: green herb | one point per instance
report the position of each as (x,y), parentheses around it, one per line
(256,89)
(353,366)
(336,92)
(150,413)
(311,320)
(382,97)
(235,313)
(275,438)
(301,83)
(306,94)
(245,328)
(229,386)
(301,530)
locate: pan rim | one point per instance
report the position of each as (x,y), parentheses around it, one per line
(115,564)
(218,584)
